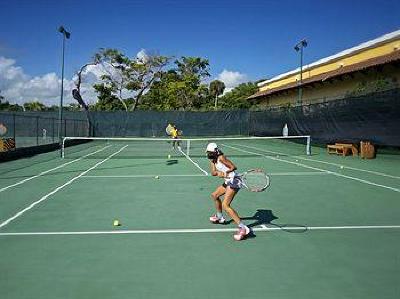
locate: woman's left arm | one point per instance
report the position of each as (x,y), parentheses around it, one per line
(228,163)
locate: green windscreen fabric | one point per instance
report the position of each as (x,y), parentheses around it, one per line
(41,128)
(374,117)
(153,123)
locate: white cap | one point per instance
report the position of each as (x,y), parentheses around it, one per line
(211,147)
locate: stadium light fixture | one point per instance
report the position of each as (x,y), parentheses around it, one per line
(66,35)
(299,47)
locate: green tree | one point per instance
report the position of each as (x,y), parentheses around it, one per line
(34,106)
(237,97)
(180,88)
(53,108)
(126,79)
(107,101)
(5,105)
(73,107)
(216,89)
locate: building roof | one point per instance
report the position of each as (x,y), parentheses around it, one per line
(369,44)
(381,60)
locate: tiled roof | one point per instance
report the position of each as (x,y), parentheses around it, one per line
(395,56)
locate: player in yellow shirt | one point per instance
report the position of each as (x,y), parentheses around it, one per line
(174,133)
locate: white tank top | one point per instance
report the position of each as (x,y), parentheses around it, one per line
(222,167)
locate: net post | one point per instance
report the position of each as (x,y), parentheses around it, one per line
(308,145)
(188,147)
(63,148)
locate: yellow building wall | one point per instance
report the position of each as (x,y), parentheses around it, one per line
(366,54)
(331,90)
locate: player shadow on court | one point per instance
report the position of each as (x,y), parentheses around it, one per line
(266,217)
(261,217)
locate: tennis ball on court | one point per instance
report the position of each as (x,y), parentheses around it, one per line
(116,223)
(169,156)
(297,160)
(156,177)
(341,167)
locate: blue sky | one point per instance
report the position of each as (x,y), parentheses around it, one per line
(253,38)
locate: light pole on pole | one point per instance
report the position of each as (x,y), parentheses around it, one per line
(66,35)
(299,47)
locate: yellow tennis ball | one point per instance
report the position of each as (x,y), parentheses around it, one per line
(169,156)
(341,167)
(156,177)
(116,223)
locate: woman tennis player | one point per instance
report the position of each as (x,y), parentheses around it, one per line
(224,168)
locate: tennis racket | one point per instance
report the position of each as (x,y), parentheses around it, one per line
(168,130)
(255,180)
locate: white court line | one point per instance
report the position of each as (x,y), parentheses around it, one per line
(300,173)
(320,169)
(50,170)
(194,163)
(330,163)
(262,228)
(142,176)
(4,223)
(200,175)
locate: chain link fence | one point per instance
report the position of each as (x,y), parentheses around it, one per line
(33,129)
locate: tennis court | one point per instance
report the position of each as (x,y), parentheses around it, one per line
(327,227)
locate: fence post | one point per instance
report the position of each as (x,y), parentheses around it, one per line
(37,130)
(14,128)
(65,127)
(52,128)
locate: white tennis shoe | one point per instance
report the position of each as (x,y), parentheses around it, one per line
(214,219)
(242,233)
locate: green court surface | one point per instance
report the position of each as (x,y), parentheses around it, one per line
(327,227)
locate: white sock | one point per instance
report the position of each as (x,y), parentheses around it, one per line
(242,225)
(219,215)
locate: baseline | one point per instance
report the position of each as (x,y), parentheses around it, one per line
(262,228)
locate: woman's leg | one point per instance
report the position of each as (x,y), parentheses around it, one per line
(244,230)
(226,205)
(216,197)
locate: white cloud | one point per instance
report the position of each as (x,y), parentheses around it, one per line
(232,79)
(18,87)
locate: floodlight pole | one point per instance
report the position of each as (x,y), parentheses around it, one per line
(66,35)
(299,47)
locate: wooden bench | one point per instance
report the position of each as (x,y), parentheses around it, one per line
(343,149)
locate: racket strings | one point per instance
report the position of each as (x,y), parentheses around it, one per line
(256,181)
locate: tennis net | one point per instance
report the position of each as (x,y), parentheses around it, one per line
(135,147)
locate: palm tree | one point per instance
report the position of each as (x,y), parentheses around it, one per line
(216,89)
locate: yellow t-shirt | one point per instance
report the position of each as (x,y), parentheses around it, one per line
(174,133)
